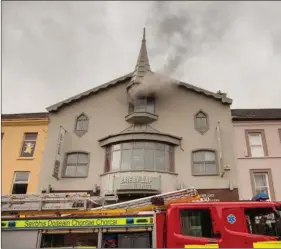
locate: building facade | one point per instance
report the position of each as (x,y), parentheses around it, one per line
(103,141)
(258,145)
(23,141)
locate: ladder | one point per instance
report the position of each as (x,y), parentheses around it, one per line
(51,201)
(66,203)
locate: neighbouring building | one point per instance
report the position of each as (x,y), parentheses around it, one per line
(258,145)
(111,140)
(23,142)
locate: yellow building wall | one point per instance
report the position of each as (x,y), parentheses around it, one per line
(11,147)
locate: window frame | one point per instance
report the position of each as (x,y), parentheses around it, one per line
(195,122)
(204,174)
(23,142)
(65,164)
(168,154)
(80,133)
(132,105)
(264,144)
(20,182)
(270,181)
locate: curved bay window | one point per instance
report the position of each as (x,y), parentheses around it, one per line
(140,156)
(143,104)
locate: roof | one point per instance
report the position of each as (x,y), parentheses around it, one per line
(35,115)
(256,114)
(142,68)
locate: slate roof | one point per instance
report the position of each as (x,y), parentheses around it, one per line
(142,68)
(35,115)
(256,114)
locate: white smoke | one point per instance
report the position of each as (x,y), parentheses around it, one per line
(156,84)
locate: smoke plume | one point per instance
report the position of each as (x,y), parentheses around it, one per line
(157,84)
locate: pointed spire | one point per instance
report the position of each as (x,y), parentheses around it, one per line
(142,66)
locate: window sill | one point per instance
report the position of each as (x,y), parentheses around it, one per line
(77,177)
(264,157)
(141,170)
(25,158)
(196,175)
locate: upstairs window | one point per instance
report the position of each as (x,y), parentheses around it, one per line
(256,143)
(201,122)
(262,182)
(140,156)
(20,182)
(29,143)
(143,104)
(204,163)
(81,126)
(76,164)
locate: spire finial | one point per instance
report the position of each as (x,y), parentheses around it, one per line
(143,38)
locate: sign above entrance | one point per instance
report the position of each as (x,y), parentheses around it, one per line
(137,182)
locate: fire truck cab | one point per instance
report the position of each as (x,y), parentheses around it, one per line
(219,224)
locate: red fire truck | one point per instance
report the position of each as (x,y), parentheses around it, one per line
(171,220)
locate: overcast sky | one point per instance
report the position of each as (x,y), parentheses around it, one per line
(54,50)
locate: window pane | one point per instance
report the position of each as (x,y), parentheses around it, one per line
(72,158)
(262,190)
(255,139)
(201,123)
(140,105)
(19,188)
(21,176)
(260,180)
(81,170)
(138,145)
(257,151)
(198,156)
(82,125)
(116,147)
(82,158)
(28,148)
(160,146)
(159,160)
(30,136)
(149,159)
(82,118)
(116,158)
(199,168)
(209,156)
(126,146)
(70,171)
(150,105)
(211,168)
(149,145)
(126,159)
(138,159)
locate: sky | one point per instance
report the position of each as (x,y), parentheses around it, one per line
(54,50)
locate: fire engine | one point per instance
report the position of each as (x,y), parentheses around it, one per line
(171,220)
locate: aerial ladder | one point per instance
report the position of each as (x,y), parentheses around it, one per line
(66,204)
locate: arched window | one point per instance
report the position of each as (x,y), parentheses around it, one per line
(81,126)
(140,156)
(201,122)
(76,164)
(204,162)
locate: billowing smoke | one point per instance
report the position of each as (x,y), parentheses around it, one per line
(157,84)
(183,29)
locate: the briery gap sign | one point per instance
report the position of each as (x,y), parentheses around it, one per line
(137,182)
